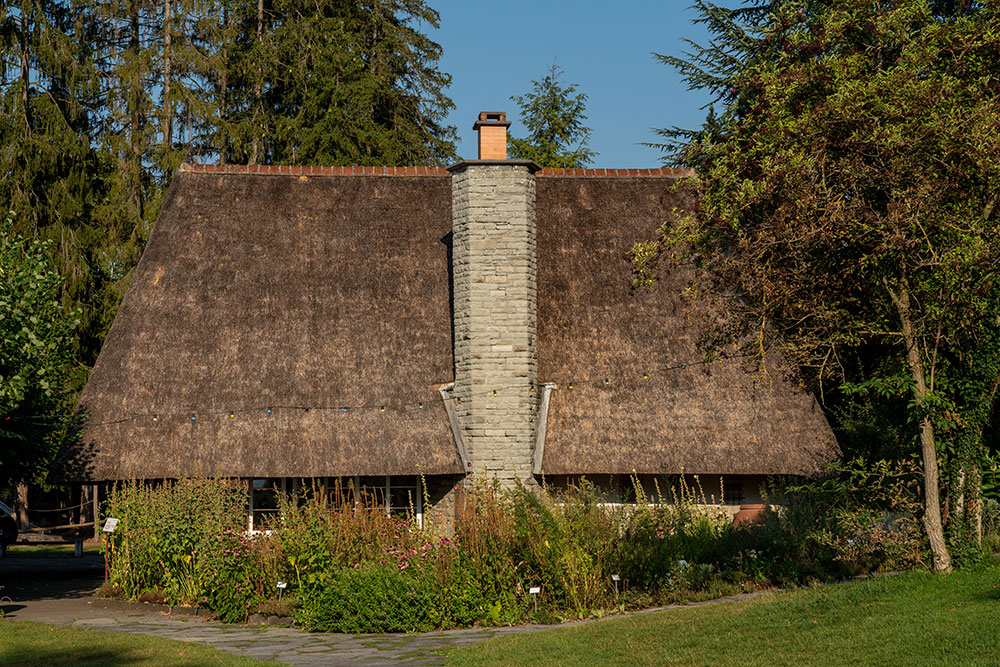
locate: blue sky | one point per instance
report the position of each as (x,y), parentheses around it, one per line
(495,50)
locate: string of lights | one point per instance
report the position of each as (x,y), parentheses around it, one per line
(263,409)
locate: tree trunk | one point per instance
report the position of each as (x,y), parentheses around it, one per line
(224,89)
(258,89)
(21,507)
(932,502)
(25,69)
(168,110)
(976,505)
(135,111)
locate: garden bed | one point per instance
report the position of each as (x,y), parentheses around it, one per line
(511,557)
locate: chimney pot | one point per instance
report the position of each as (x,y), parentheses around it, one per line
(492,128)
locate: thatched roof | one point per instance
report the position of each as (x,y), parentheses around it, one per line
(284,289)
(592,326)
(281,292)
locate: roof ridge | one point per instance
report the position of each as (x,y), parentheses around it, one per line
(670,172)
(296,170)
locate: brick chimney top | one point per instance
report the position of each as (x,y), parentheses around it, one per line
(492,127)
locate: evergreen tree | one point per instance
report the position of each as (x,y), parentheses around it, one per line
(737,42)
(53,174)
(185,104)
(331,82)
(554,117)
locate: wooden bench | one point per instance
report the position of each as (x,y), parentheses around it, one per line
(68,534)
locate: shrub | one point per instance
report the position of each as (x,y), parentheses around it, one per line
(171,536)
(352,568)
(372,598)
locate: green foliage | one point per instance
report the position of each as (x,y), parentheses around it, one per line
(328,83)
(868,515)
(354,569)
(848,215)
(36,349)
(372,598)
(100,102)
(184,542)
(554,117)
(737,42)
(991,526)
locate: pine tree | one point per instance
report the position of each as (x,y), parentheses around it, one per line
(737,41)
(331,82)
(53,173)
(554,117)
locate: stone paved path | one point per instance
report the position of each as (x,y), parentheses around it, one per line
(297,647)
(61,591)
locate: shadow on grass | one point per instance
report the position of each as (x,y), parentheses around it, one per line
(21,586)
(29,643)
(103,656)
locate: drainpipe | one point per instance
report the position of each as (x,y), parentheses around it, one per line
(543,414)
(455,429)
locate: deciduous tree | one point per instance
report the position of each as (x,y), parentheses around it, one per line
(36,351)
(853,202)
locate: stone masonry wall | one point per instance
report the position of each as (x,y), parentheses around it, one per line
(493,216)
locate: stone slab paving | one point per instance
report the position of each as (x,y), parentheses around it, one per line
(297,647)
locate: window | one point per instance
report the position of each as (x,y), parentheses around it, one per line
(396,496)
(263,505)
(399,496)
(404,496)
(732,493)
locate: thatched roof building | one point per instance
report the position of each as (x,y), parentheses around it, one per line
(311,322)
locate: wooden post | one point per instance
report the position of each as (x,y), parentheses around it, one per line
(96,511)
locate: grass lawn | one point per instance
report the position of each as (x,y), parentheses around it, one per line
(27,643)
(911,619)
(49,550)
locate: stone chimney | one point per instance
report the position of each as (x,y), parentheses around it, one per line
(496,359)
(492,127)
